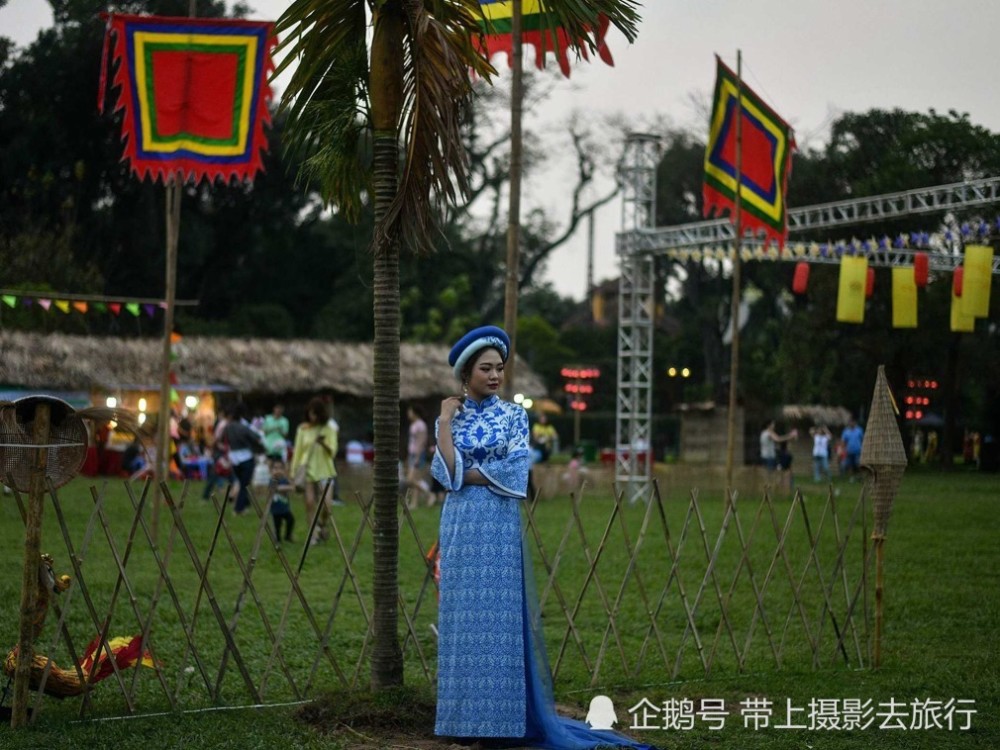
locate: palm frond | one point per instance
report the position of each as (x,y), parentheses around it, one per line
(331,138)
(581,18)
(437,92)
(321,37)
(327,98)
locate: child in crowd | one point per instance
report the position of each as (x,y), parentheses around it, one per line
(261,476)
(281,507)
(575,472)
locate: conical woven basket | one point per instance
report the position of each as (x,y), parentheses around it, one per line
(882,453)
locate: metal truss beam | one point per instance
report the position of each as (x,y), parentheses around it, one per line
(939,258)
(850,212)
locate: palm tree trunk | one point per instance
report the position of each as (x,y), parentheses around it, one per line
(387,100)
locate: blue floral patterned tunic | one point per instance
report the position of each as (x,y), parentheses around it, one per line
(481,648)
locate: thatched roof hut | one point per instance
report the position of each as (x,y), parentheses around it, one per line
(262,367)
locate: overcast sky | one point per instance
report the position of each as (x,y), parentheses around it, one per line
(811,60)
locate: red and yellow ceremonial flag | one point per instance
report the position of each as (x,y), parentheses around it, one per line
(765,163)
(193,93)
(539,27)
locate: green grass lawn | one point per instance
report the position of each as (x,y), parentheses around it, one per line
(939,642)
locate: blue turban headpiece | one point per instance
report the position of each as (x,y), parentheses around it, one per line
(473,341)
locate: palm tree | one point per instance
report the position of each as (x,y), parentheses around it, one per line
(356,104)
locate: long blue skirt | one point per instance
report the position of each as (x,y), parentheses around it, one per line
(493,673)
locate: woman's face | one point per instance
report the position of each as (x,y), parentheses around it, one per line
(486,376)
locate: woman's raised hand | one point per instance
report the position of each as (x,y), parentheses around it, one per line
(449,407)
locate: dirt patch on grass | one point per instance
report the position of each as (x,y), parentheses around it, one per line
(402,718)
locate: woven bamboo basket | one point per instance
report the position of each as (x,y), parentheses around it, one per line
(883,456)
(66,444)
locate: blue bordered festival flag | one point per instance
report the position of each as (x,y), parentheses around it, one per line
(540,28)
(193,93)
(766,162)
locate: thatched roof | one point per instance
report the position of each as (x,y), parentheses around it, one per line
(831,416)
(263,366)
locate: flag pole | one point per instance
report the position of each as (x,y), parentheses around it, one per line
(173,222)
(734,314)
(514,206)
(174,190)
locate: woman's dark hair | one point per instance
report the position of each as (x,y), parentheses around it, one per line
(467,369)
(238,411)
(318,411)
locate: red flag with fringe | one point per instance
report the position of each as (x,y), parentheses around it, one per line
(193,93)
(766,160)
(539,27)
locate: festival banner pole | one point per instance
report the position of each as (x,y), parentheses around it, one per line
(514,207)
(734,313)
(198,118)
(173,193)
(173,222)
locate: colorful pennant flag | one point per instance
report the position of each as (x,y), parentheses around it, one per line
(80,307)
(960,322)
(63,305)
(45,303)
(10,300)
(904,298)
(193,93)
(765,161)
(133,307)
(539,28)
(115,307)
(976,281)
(851,290)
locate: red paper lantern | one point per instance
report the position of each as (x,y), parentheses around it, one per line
(956,282)
(870,283)
(920,269)
(800,281)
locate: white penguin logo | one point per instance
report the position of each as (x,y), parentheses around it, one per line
(602,713)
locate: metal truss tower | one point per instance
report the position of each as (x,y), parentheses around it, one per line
(636,304)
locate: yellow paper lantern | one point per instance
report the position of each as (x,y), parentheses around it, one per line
(904,298)
(978,265)
(960,322)
(851,289)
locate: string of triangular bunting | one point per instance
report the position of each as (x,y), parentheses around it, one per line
(83,307)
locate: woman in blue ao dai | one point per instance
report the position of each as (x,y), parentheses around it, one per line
(493,677)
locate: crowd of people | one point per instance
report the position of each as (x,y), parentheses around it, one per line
(239,455)
(843,452)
